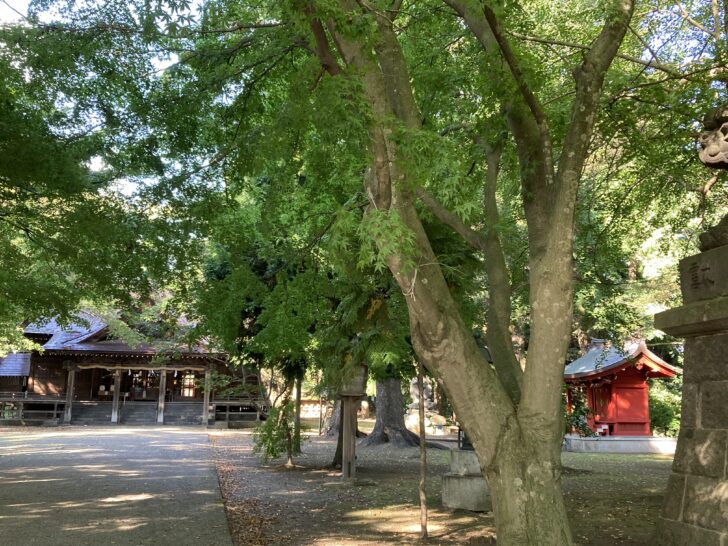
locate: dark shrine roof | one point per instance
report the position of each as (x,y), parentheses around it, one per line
(15,364)
(89,336)
(602,360)
(68,334)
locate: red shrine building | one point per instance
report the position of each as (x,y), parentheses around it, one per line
(615,384)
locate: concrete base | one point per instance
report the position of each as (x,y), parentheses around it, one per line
(463,488)
(465,493)
(464,462)
(620,444)
(234,424)
(29,423)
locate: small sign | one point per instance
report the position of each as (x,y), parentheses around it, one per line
(356,385)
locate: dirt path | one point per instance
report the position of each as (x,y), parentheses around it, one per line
(271,505)
(613,500)
(78,486)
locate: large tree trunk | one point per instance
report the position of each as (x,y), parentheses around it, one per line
(525,484)
(334,426)
(513,418)
(389,426)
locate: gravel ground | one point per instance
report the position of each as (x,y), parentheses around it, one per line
(613,500)
(269,504)
(143,485)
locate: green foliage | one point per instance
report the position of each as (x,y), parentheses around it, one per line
(65,237)
(664,403)
(383,233)
(576,419)
(274,436)
(249,161)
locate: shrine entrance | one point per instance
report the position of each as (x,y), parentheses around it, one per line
(170,394)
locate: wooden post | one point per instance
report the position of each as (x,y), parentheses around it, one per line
(423,453)
(348,442)
(297,417)
(162,396)
(115,399)
(70,387)
(206,399)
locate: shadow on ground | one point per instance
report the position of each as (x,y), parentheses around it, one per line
(88,486)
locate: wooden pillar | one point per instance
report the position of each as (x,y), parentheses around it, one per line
(115,399)
(348,442)
(70,387)
(162,396)
(206,399)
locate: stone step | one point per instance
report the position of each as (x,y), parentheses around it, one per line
(139,413)
(91,413)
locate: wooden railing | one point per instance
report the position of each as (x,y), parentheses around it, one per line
(33,408)
(14,395)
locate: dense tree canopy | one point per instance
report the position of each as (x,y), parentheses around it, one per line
(362,179)
(66,236)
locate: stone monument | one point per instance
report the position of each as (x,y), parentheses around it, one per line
(464,488)
(696,503)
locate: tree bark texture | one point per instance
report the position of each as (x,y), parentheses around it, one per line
(297,418)
(389,425)
(513,422)
(334,427)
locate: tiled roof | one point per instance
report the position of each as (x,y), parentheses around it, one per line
(63,335)
(602,358)
(15,364)
(87,336)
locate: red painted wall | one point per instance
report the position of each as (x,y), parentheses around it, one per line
(622,404)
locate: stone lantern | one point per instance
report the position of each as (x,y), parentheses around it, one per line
(696,503)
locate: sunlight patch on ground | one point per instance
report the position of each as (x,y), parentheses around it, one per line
(111,525)
(415,528)
(127,498)
(34,480)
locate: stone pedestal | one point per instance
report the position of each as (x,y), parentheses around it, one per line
(696,503)
(464,487)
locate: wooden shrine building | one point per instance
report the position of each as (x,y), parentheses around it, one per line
(85,376)
(616,386)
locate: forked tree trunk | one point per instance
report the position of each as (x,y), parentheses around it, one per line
(525,486)
(389,425)
(512,417)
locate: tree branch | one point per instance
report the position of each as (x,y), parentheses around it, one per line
(649,64)
(472,237)
(524,88)
(535,167)
(697,24)
(323,51)
(499,284)
(716,17)
(499,309)
(589,82)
